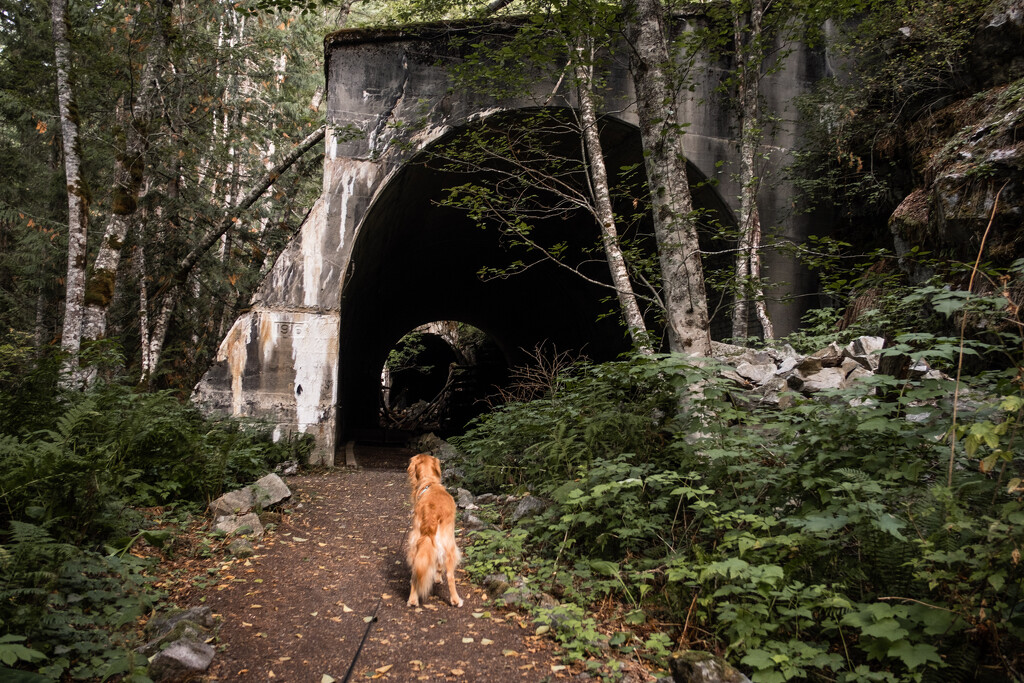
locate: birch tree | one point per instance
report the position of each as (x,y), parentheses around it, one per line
(749,49)
(129,168)
(78,202)
(575,38)
(675,224)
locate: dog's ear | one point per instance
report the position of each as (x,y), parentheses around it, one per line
(436,465)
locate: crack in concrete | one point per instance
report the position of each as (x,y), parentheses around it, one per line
(377,143)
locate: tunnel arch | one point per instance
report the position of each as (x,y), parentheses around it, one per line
(414,261)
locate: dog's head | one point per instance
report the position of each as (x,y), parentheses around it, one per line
(423,469)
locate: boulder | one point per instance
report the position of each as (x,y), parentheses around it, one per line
(183,630)
(826,378)
(242,525)
(270,490)
(473,523)
(241,548)
(757,373)
(693,666)
(181,661)
(163,623)
(233,503)
(528,506)
(464,499)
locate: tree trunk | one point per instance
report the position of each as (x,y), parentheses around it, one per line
(748,261)
(78,204)
(675,226)
(606,216)
(128,173)
(169,293)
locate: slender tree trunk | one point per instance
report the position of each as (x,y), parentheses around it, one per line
(675,226)
(747,45)
(140,271)
(128,175)
(78,204)
(746,96)
(606,216)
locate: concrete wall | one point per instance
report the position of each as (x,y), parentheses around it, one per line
(389,97)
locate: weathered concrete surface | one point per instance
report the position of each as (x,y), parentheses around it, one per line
(308,352)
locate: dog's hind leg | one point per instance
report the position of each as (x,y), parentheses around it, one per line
(451,558)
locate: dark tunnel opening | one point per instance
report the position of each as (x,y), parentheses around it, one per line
(416,261)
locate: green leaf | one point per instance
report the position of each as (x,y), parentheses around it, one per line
(914,656)
(604,567)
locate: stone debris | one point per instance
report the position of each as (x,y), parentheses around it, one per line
(239,525)
(270,490)
(528,506)
(464,500)
(181,661)
(235,511)
(288,468)
(178,650)
(771,374)
(693,666)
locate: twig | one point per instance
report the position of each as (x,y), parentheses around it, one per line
(963,328)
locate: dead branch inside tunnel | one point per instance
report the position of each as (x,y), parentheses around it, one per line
(421,256)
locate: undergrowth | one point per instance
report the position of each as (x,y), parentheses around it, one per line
(842,538)
(75,468)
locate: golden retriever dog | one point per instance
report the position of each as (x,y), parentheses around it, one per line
(431,544)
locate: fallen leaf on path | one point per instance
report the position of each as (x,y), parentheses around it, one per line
(417,664)
(246,623)
(385,596)
(346,608)
(271,674)
(283,659)
(457,672)
(555,668)
(255,606)
(367,619)
(541,630)
(326,679)
(299,540)
(510,653)
(467,640)
(313,614)
(384,669)
(486,641)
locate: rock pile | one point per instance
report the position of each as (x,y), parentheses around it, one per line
(237,512)
(771,374)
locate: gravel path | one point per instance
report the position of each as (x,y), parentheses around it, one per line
(297,610)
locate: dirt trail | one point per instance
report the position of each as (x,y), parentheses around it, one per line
(296,610)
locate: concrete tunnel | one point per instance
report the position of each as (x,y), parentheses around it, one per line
(415,261)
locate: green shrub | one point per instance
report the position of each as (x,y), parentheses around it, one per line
(840,538)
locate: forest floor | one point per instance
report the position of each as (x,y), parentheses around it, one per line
(298,610)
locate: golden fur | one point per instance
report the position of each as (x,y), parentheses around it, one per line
(431,544)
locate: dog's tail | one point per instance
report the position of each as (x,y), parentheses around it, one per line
(423,560)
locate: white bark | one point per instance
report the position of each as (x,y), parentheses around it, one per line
(686,308)
(78,208)
(747,45)
(606,217)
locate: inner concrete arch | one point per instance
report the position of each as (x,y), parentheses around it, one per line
(415,260)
